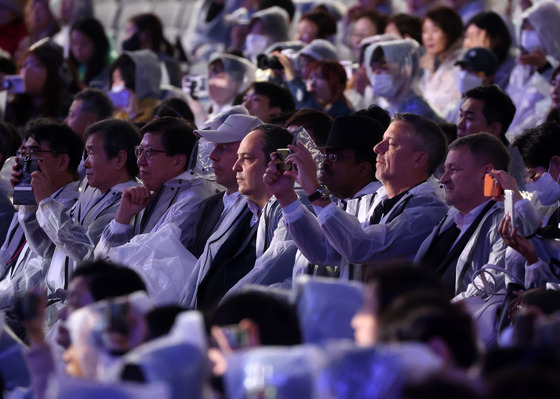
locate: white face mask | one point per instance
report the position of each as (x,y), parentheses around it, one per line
(546,188)
(383,85)
(530,40)
(467,81)
(256,44)
(117,88)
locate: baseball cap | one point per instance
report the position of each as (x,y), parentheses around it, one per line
(235,128)
(480,59)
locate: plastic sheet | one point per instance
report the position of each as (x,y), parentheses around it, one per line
(183,367)
(13,369)
(402,60)
(68,388)
(162,261)
(87,327)
(373,373)
(273,372)
(326,307)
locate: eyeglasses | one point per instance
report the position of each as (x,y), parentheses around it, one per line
(25,152)
(146,152)
(333,157)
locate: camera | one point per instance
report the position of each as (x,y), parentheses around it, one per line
(196,86)
(23,193)
(13,83)
(268,62)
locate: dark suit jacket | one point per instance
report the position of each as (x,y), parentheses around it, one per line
(235,258)
(208,216)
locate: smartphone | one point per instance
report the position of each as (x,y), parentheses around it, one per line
(116,317)
(23,193)
(237,337)
(120,99)
(492,187)
(281,154)
(509,206)
(26,306)
(13,83)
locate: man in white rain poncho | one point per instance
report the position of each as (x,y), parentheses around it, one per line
(163,160)
(392,68)
(110,168)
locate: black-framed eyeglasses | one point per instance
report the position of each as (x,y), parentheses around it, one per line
(334,157)
(25,152)
(146,152)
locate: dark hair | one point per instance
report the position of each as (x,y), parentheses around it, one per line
(380,20)
(151,24)
(117,135)
(7,66)
(10,141)
(177,135)
(496,28)
(421,316)
(427,137)
(450,131)
(317,123)
(55,88)
(376,113)
(274,137)
(408,25)
(161,319)
(448,21)
(277,319)
(498,106)
(554,113)
(278,95)
(325,22)
(537,146)
(93,29)
(60,138)
(5,142)
(127,68)
(107,280)
(485,148)
(287,5)
(96,101)
(391,280)
(174,107)
(334,73)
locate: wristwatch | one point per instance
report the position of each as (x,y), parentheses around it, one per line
(321,193)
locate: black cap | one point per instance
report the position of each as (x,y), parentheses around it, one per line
(480,59)
(354,131)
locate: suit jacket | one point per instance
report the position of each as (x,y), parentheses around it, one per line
(208,217)
(485,246)
(235,258)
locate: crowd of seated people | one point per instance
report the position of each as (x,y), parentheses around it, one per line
(278,199)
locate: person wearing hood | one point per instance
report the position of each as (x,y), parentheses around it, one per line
(266,27)
(135,81)
(228,77)
(393,69)
(530,79)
